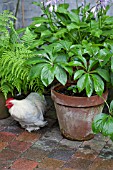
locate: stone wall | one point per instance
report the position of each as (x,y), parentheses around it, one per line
(25,10)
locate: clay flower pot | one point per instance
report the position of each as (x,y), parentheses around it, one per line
(3,109)
(75,114)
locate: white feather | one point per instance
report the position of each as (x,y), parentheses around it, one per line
(29,111)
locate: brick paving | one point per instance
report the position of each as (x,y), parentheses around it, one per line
(47,149)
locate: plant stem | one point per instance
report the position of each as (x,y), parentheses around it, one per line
(106,104)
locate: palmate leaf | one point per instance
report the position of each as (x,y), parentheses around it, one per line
(81,83)
(60,58)
(81,58)
(47,74)
(108,127)
(92,63)
(68,69)
(98,84)
(103,56)
(89,85)
(65,44)
(75,63)
(60,75)
(36,71)
(98,122)
(103,73)
(103,123)
(35,60)
(78,74)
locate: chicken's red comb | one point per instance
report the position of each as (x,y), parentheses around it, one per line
(8,100)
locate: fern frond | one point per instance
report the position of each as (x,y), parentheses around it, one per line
(14,74)
(6,88)
(28,37)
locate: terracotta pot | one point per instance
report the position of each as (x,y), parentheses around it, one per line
(75,114)
(3,110)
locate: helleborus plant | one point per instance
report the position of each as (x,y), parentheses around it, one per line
(73,44)
(103,123)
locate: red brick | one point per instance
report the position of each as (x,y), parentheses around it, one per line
(3,145)
(50,164)
(93,144)
(67,169)
(78,164)
(8,155)
(100,164)
(4,165)
(14,129)
(6,136)
(24,164)
(29,137)
(19,146)
(85,154)
(35,154)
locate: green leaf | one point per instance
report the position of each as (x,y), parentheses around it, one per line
(103,73)
(64,6)
(36,43)
(111,78)
(41,19)
(92,63)
(98,122)
(74,17)
(75,63)
(111,106)
(46,33)
(81,83)
(89,85)
(108,126)
(72,26)
(36,3)
(78,74)
(47,75)
(60,75)
(112,64)
(80,57)
(68,69)
(35,60)
(60,58)
(98,84)
(35,71)
(60,32)
(103,56)
(49,49)
(96,32)
(65,44)
(73,88)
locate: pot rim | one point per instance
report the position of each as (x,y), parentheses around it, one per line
(76,101)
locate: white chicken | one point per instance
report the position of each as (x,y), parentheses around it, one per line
(29,111)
